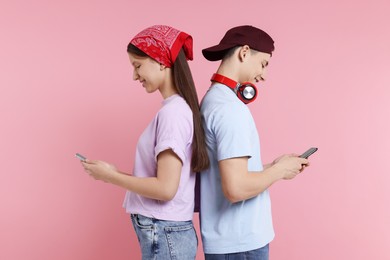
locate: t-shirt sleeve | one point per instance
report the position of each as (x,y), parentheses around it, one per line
(232,130)
(174,131)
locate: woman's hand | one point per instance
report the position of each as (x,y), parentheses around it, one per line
(99,170)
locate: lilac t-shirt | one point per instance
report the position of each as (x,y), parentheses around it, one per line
(172,128)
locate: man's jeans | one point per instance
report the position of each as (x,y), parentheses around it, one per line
(257,254)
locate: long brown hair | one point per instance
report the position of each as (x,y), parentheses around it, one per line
(185,86)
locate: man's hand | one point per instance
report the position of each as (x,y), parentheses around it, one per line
(290,165)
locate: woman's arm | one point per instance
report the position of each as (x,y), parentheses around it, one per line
(162,187)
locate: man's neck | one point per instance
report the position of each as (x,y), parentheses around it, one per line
(229,69)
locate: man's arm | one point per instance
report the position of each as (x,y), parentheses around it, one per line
(238,184)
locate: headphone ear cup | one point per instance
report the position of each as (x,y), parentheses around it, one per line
(247,92)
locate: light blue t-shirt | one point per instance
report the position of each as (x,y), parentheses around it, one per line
(231,132)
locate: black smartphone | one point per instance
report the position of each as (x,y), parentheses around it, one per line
(80,157)
(309,152)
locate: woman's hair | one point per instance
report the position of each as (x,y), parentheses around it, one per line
(184,84)
(134,50)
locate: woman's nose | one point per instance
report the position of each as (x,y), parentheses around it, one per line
(135,75)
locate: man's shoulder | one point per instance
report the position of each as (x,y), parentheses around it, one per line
(221,99)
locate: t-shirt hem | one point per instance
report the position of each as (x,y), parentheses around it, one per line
(170,144)
(233,155)
(236,249)
(163,216)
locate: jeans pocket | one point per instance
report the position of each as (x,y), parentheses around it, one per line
(142,222)
(182,241)
(145,230)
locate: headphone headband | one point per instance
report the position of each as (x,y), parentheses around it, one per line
(225,80)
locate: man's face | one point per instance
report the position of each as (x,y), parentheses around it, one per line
(255,66)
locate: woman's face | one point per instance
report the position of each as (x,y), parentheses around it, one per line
(148,72)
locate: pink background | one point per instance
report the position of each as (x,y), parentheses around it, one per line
(66,87)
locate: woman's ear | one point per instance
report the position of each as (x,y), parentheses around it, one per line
(162,67)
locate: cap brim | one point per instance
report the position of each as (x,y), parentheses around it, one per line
(216,52)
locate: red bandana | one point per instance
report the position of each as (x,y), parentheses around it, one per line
(163,43)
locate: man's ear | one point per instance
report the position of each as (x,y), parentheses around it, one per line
(244,50)
(162,66)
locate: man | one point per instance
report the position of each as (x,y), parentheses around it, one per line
(236,221)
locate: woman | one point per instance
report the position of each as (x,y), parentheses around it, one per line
(160,191)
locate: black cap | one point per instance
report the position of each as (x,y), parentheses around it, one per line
(239,36)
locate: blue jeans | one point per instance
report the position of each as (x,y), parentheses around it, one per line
(257,254)
(160,239)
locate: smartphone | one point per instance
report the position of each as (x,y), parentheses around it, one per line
(309,152)
(82,158)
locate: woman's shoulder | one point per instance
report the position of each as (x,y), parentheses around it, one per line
(175,105)
(175,116)
(176,109)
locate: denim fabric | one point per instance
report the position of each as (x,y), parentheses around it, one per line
(160,239)
(257,254)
